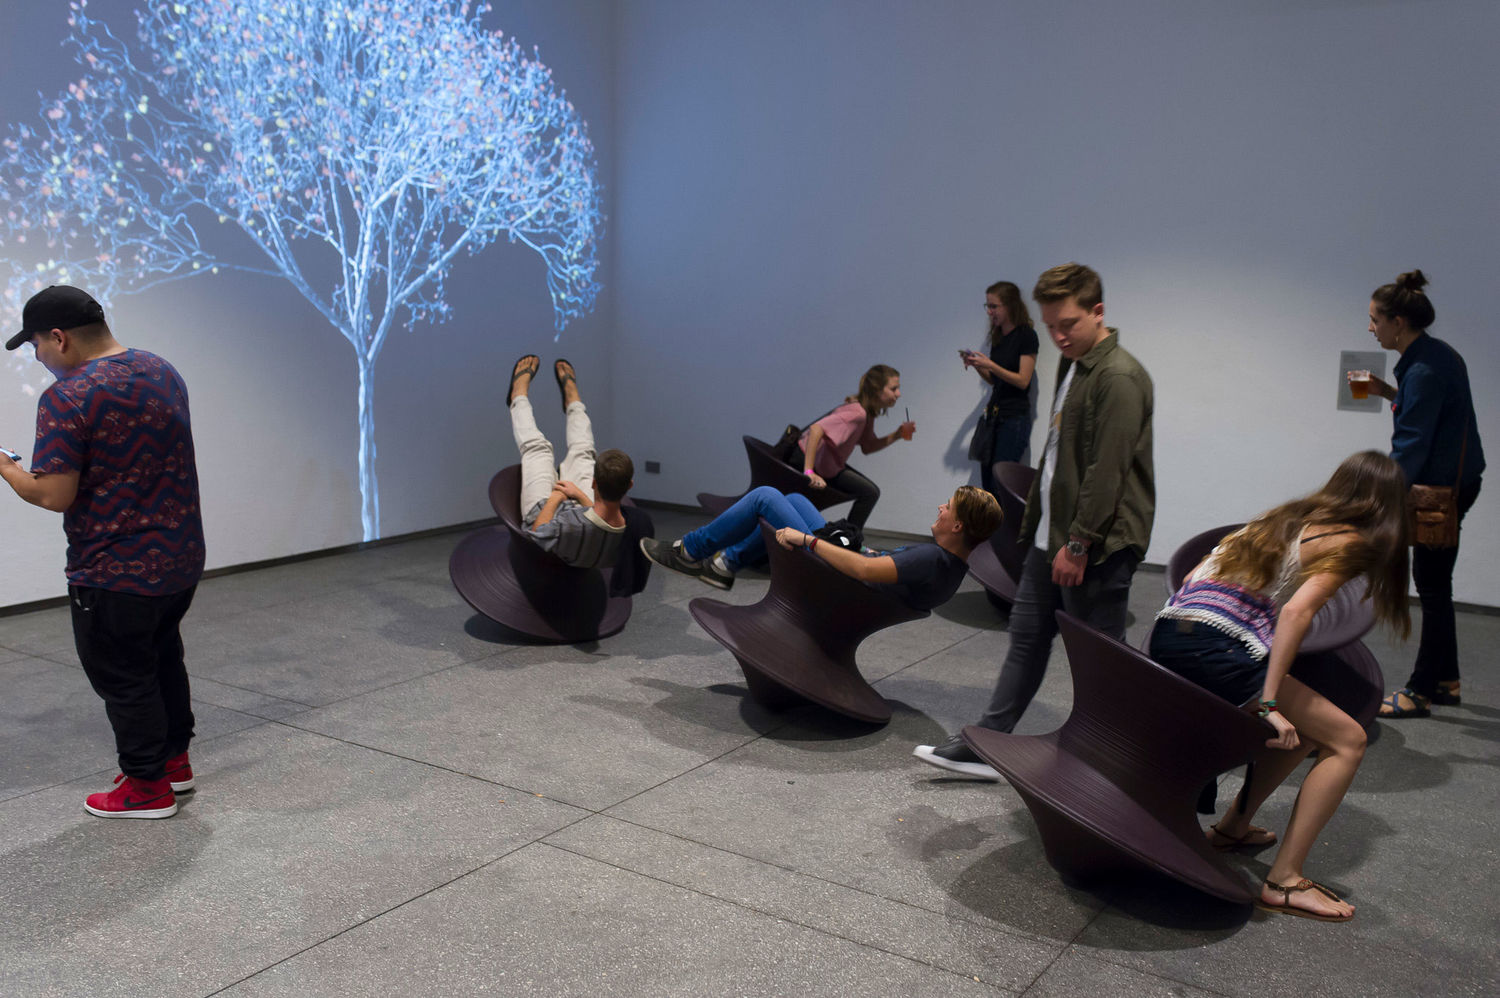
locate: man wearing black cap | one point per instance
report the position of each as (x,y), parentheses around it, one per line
(114,455)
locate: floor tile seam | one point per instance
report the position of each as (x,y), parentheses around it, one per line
(866,892)
(778,917)
(381,914)
(928,657)
(242,689)
(587,811)
(1147,973)
(101,773)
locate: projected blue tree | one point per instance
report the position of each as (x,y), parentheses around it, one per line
(360,145)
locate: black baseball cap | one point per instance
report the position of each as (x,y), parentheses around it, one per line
(58,307)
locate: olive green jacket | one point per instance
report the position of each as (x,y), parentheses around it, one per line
(1104,486)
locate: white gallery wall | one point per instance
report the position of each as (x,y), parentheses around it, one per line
(796,190)
(274,387)
(804,189)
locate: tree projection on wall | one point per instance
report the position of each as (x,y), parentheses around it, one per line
(360,145)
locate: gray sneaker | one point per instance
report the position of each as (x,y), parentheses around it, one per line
(716,572)
(955,756)
(671,556)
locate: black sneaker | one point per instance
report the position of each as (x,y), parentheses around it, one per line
(671,556)
(955,756)
(716,572)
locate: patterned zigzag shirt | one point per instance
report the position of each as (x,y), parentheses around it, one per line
(122,423)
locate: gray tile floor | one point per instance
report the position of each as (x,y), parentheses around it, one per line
(397,799)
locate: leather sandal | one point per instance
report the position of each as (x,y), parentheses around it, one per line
(1254,838)
(1287,908)
(563,375)
(1446,695)
(1418,708)
(522,368)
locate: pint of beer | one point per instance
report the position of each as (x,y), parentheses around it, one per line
(1359,384)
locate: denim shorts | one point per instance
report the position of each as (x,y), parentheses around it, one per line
(1210,658)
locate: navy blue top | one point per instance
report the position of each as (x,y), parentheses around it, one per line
(926,576)
(1432,407)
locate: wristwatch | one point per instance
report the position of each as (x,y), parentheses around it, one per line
(1076,548)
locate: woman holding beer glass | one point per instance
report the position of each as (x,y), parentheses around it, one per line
(1436,442)
(1008,367)
(824,448)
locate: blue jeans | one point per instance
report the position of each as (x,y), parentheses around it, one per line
(736,531)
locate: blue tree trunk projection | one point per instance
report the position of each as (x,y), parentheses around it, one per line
(370,140)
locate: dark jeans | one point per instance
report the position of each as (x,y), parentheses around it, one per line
(131,651)
(1207,657)
(851,482)
(1012,437)
(1432,571)
(1102,601)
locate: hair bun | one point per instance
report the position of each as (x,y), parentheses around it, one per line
(1413,280)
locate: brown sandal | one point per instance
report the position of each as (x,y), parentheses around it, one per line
(1254,838)
(1287,908)
(522,367)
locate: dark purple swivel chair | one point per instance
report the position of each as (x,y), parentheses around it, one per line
(1332,660)
(797,644)
(768,469)
(502,573)
(996,565)
(1113,790)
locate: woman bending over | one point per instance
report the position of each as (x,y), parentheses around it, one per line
(1238,621)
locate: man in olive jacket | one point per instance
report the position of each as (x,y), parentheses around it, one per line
(1088,518)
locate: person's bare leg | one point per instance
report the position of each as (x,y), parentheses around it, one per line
(1340,742)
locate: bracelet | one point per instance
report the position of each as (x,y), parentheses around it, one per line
(1267,707)
(812,542)
(808,472)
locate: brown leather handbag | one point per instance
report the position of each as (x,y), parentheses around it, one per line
(1432,510)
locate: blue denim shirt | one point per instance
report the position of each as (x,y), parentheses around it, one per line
(1432,407)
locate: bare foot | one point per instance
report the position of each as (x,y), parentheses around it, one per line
(1305,899)
(1224,837)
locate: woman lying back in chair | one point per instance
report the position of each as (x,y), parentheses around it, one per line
(1236,624)
(920,575)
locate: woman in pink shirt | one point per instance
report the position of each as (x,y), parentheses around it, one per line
(824,449)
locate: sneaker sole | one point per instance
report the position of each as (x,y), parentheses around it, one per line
(185,787)
(974,770)
(716,581)
(145,812)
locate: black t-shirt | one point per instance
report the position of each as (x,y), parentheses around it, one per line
(926,576)
(1007,399)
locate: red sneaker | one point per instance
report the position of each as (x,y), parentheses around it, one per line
(133,798)
(180,773)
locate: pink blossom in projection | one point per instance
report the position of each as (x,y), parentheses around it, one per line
(359,145)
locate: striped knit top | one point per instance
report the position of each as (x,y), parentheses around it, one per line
(1244,613)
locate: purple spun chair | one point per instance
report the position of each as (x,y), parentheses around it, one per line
(768,469)
(501,573)
(1332,660)
(1113,789)
(997,565)
(797,644)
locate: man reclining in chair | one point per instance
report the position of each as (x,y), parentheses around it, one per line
(575,512)
(920,575)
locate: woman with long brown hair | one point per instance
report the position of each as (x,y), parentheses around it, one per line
(824,448)
(1004,431)
(1238,621)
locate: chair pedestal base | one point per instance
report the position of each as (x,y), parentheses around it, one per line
(515,583)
